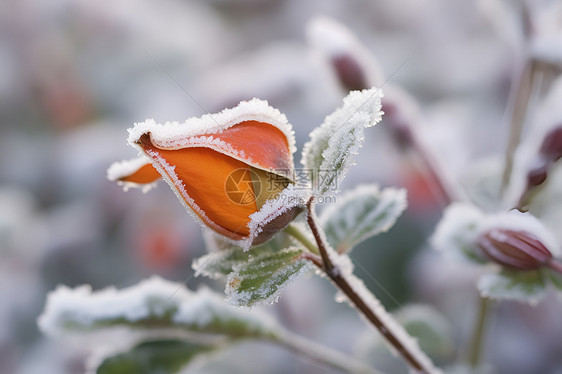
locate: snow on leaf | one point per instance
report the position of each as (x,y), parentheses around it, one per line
(456,233)
(159,356)
(527,286)
(361,213)
(261,280)
(153,303)
(330,150)
(224,256)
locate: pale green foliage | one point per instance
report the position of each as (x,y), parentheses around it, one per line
(333,145)
(361,213)
(262,279)
(159,356)
(527,286)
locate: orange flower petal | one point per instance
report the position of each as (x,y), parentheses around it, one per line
(146,174)
(270,153)
(199,176)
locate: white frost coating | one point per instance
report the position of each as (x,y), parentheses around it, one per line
(243,298)
(348,218)
(462,224)
(518,221)
(152,297)
(458,230)
(332,145)
(175,135)
(334,39)
(288,199)
(497,286)
(124,168)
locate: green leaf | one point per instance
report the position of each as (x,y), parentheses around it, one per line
(224,256)
(361,213)
(154,304)
(154,357)
(528,286)
(429,327)
(262,279)
(554,277)
(332,146)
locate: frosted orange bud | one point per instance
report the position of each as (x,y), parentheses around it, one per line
(223,167)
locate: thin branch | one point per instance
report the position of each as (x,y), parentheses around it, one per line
(296,233)
(518,103)
(322,354)
(360,297)
(475,351)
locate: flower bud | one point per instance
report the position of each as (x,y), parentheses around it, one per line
(223,167)
(551,147)
(517,250)
(350,74)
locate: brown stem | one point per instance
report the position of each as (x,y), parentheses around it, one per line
(519,100)
(356,291)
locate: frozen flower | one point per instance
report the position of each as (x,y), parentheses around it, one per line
(522,249)
(223,167)
(518,250)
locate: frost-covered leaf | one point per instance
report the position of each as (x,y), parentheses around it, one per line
(428,326)
(332,146)
(224,255)
(152,304)
(361,213)
(262,279)
(456,233)
(160,356)
(528,286)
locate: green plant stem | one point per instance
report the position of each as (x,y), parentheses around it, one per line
(322,354)
(365,302)
(475,351)
(301,237)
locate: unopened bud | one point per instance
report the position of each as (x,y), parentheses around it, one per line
(537,175)
(551,147)
(518,250)
(349,72)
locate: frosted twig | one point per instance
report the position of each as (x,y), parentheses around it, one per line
(366,303)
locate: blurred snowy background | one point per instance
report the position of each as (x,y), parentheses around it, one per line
(75,74)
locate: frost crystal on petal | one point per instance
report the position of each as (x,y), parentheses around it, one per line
(175,135)
(332,146)
(290,199)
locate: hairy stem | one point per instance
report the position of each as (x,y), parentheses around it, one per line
(296,233)
(322,354)
(475,351)
(360,297)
